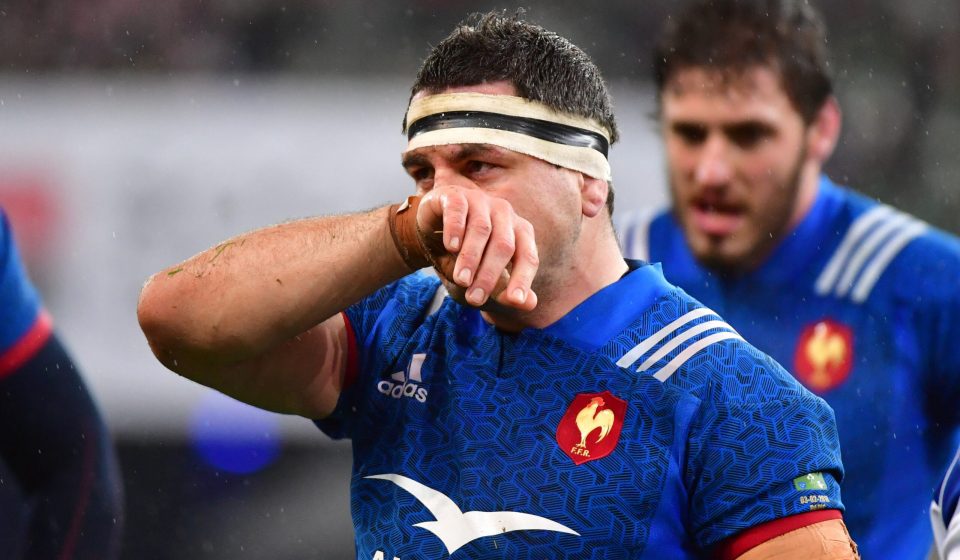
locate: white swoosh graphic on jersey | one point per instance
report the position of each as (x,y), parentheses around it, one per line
(455,528)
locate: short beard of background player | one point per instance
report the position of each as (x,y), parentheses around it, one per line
(763,228)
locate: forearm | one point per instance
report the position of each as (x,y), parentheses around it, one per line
(827,540)
(245,296)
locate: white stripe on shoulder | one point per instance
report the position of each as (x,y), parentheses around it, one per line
(678,340)
(946,477)
(690,351)
(950,549)
(856,231)
(635,233)
(646,344)
(870,276)
(680,336)
(880,234)
(939,530)
(870,244)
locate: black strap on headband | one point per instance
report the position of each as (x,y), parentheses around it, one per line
(537,128)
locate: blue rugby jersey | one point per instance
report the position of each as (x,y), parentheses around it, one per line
(862,304)
(943,512)
(24,325)
(640,425)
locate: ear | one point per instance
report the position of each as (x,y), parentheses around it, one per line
(824,131)
(593,195)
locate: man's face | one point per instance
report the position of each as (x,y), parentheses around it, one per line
(544,194)
(736,156)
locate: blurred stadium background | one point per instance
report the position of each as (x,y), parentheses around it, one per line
(134,134)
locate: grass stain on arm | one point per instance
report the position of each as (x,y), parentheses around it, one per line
(220,249)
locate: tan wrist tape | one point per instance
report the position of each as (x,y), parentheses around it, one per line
(420,249)
(402,219)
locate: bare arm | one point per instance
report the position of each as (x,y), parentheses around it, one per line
(256,317)
(827,540)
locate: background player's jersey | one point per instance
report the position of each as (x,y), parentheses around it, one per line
(862,304)
(640,425)
(943,513)
(24,325)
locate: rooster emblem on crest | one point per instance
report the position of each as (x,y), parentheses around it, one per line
(824,355)
(589,419)
(825,349)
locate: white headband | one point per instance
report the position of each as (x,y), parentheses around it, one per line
(514,123)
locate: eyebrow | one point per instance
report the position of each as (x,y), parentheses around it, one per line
(465,151)
(725,127)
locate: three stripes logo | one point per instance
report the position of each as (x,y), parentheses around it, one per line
(400,385)
(871,243)
(679,340)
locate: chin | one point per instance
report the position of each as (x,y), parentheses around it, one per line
(720,258)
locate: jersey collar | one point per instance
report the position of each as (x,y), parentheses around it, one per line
(599,318)
(606,313)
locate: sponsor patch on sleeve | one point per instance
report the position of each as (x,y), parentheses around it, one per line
(812,481)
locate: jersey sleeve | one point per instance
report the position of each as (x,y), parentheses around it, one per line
(24,326)
(378,328)
(760,456)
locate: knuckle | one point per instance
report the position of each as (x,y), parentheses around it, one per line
(469,255)
(483,227)
(531,258)
(486,278)
(503,245)
(524,226)
(501,205)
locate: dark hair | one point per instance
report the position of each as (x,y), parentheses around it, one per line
(730,36)
(542,65)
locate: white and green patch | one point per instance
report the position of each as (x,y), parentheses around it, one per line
(808,482)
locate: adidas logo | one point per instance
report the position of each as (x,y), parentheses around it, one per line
(401,385)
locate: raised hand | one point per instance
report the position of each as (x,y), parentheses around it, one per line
(475,241)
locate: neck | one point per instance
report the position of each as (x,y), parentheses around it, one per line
(596,262)
(806,195)
(808,187)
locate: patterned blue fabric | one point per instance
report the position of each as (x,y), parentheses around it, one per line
(19,302)
(449,415)
(895,284)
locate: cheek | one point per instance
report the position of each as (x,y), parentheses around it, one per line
(681,160)
(775,160)
(681,165)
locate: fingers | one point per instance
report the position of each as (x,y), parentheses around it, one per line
(487,250)
(454,206)
(524,265)
(496,252)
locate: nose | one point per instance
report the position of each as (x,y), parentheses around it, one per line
(445,175)
(714,167)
